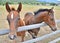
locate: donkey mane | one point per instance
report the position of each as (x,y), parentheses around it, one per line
(40,10)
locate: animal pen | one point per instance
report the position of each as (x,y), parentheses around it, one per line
(6,31)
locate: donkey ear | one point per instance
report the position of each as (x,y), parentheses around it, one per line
(7,7)
(19,7)
(52,8)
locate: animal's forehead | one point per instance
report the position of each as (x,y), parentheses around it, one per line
(14,12)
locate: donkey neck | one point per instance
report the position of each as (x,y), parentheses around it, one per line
(40,17)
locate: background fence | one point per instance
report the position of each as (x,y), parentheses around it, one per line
(44,37)
(6,31)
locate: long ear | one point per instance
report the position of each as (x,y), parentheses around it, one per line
(7,7)
(52,8)
(19,7)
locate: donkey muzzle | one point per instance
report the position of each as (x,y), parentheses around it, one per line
(54,29)
(12,37)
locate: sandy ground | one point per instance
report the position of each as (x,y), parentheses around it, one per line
(43,30)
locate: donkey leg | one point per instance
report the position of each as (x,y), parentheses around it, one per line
(36,32)
(14,41)
(22,37)
(32,34)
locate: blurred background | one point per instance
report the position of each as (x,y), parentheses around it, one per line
(29,6)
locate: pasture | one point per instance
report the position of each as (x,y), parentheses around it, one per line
(28,8)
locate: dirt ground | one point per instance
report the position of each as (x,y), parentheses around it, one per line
(28,8)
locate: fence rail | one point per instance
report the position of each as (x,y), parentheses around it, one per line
(42,37)
(56,40)
(6,31)
(28,27)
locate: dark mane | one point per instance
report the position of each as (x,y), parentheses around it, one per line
(40,10)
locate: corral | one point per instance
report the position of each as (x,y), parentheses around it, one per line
(31,8)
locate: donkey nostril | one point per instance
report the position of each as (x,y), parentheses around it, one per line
(12,37)
(54,29)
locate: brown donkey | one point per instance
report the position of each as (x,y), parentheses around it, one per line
(42,15)
(15,21)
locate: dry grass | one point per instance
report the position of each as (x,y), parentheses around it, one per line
(27,8)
